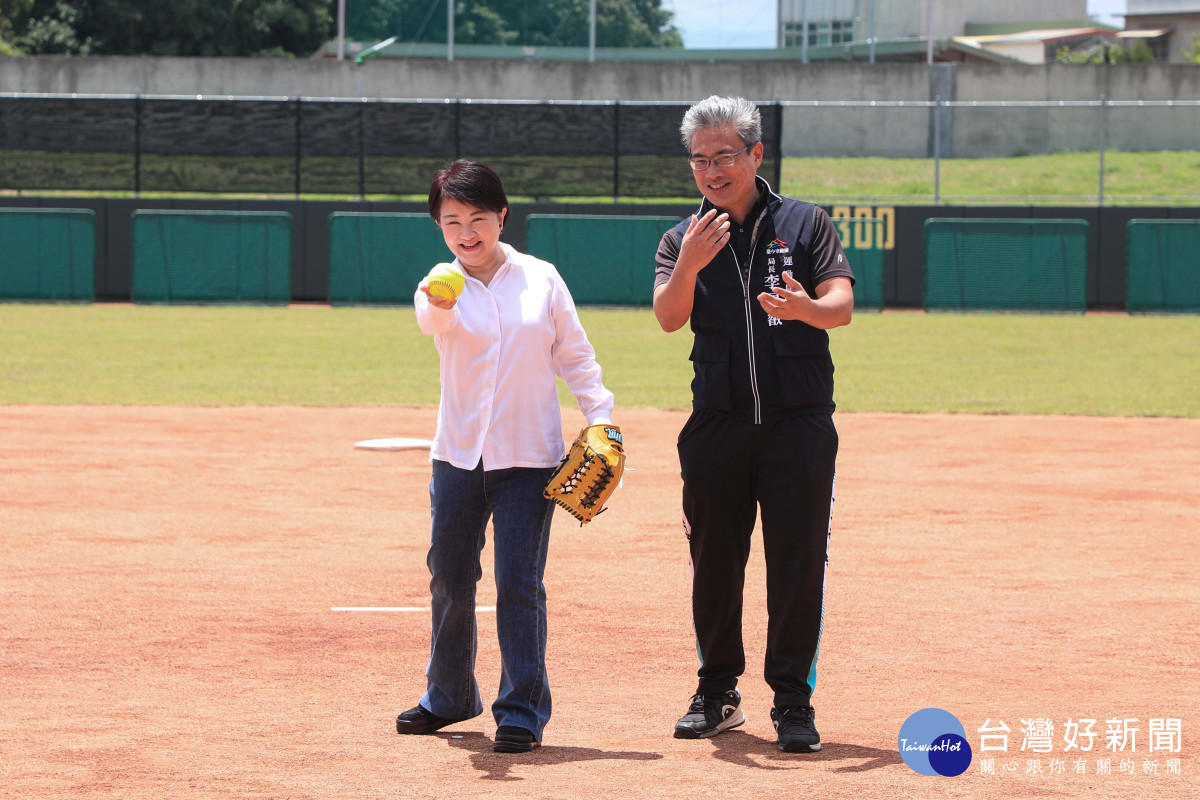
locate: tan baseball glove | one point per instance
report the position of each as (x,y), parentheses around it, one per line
(590,472)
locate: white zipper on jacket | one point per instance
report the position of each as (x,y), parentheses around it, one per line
(745,279)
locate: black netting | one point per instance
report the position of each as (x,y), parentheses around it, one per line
(542,149)
(67,125)
(330,142)
(219,145)
(404,144)
(347,147)
(653,161)
(67,143)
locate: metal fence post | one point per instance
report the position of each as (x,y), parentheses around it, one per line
(616,149)
(778,145)
(137,144)
(362,148)
(297,165)
(937,150)
(804,31)
(1103,145)
(457,126)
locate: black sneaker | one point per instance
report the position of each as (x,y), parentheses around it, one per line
(511,739)
(417,720)
(710,714)
(796,728)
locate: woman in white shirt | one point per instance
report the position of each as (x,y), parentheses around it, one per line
(501,343)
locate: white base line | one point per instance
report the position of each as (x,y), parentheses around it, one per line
(401,609)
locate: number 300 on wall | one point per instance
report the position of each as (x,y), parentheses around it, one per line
(865,227)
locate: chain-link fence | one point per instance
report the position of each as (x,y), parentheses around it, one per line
(973,152)
(918,152)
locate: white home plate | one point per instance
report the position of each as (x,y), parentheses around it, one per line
(394,444)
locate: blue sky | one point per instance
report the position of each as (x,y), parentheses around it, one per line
(708,24)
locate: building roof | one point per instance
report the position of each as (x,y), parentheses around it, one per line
(1045,35)
(1145,33)
(997,28)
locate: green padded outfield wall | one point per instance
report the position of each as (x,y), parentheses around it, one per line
(605,260)
(47,254)
(863,242)
(233,257)
(1006,264)
(1163,262)
(380,258)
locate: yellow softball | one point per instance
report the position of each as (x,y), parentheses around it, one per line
(445,281)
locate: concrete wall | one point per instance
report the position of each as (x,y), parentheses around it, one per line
(433,78)
(825,132)
(557,80)
(985,132)
(1077,82)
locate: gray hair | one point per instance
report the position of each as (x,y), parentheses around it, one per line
(723,112)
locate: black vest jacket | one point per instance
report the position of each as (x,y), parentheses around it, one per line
(747,364)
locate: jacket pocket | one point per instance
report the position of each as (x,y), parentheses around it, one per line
(710,363)
(805,371)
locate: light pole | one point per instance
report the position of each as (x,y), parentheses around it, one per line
(804,31)
(341,28)
(929,4)
(871,30)
(592,30)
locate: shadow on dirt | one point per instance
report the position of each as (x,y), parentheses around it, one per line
(496,766)
(747,750)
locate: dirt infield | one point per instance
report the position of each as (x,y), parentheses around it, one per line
(168,576)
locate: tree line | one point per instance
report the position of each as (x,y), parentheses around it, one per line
(297,28)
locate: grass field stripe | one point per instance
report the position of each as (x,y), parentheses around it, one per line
(399,609)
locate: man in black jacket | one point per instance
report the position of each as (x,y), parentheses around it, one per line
(761,278)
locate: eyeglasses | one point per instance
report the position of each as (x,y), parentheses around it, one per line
(723,160)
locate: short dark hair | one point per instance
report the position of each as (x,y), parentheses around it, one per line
(467,182)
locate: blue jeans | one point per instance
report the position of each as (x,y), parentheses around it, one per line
(461,502)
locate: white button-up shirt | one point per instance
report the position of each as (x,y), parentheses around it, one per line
(501,347)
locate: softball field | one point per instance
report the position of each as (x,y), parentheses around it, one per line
(169,577)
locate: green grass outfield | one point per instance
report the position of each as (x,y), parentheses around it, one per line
(1130,178)
(1095,364)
